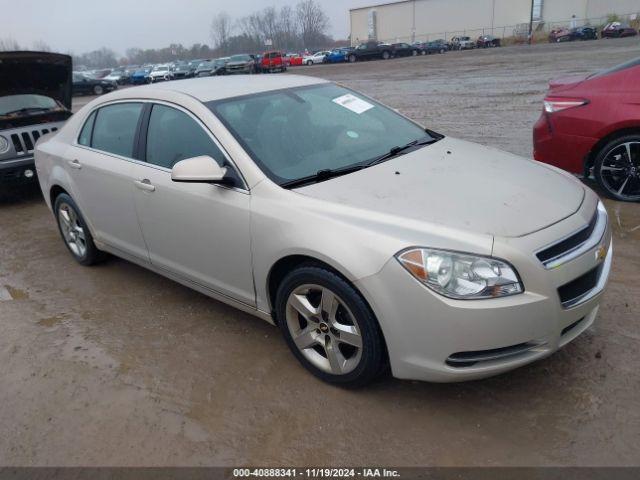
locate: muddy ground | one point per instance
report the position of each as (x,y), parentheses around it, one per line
(114,365)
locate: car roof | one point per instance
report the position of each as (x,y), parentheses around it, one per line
(217,88)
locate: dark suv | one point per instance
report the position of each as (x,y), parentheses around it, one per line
(371,51)
(35,100)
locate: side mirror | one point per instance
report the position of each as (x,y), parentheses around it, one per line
(202,169)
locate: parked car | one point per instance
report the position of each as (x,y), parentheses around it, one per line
(487,41)
(404,50)
(242,63)
(371,51)
(591,124)
(193,66)
(86,85)
(273,61)
(141,76)
(569,35)
(181,71)
(120,76)
(618,30)
(210,67)
(428,48)
(160,73)
(339,55)
(315,58)
(35,100)
(292,60)
(462,43)
(336,239)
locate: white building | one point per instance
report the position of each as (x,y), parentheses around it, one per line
(412,20)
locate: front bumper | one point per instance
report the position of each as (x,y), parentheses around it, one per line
(18,172)
(433,338)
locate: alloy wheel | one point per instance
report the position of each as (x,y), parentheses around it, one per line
(72,230)
(620,171)
(324,329)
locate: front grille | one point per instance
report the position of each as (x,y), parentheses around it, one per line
(569,244)
(571,293)
(468,359)
(24,142)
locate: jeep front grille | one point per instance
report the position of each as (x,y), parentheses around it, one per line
(24,142)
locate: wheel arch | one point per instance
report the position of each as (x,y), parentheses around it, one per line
(620,131)
(54,192)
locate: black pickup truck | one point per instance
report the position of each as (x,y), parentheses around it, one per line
(35,100)
(371,51)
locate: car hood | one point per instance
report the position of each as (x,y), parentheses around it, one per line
(460,185)
(39,73)
(566,83)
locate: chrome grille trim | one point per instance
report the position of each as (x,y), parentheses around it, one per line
(596,237)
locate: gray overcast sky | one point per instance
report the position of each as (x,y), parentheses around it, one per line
(83,25)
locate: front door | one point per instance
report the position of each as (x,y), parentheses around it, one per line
(196,230)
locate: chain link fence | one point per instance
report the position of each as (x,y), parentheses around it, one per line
(519,33)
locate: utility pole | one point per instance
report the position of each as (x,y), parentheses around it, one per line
(531,23)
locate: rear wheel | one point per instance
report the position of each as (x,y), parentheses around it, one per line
(329,327)
(74,231)
(617,168)
(386,55)
(352,58)
(98,90)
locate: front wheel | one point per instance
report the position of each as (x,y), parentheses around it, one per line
(98,90)
(617,168)
(386,55)
(309,62)
(329,327)
(74,231)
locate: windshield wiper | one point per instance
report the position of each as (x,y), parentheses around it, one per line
(395,151)
(322,175)
(27,110)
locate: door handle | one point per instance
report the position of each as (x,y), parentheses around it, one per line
(75,164)
(145,184)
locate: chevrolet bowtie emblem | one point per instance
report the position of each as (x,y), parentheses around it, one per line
(601,254)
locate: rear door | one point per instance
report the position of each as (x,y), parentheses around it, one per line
(198,231)
(100,165)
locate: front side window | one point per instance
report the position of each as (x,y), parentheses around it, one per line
(294,133)
(173,136)
(115,128)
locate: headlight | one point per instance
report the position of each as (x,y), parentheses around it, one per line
(459,275)
(4,145)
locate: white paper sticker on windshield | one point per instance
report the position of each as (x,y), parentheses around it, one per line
(353,103)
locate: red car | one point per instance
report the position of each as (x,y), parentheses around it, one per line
(591,124)
(293,60)
(273,61)
(618,30)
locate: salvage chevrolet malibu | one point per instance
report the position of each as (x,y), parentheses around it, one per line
(373,243)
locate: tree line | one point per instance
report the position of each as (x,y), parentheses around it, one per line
(289,28)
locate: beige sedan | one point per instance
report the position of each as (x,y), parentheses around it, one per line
(368,239)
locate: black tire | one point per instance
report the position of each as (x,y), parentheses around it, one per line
(352,58)
(309,63)
(98,90)
(632,192)
(386,55)
(92,255)
(373,356)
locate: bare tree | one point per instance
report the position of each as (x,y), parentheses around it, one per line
(312,23)
(41,46)
(221,29)
(8,44)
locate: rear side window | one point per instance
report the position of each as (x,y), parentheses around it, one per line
(85,134)
(173,136)
(115,128)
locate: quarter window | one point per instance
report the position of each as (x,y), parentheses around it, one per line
(115,128)
(173,136)
(85,134)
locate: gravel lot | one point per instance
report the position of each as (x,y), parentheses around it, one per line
(114,365)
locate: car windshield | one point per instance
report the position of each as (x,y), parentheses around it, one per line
(295,133)
(161,69)
(26,104)
(240,58)
(205,65)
